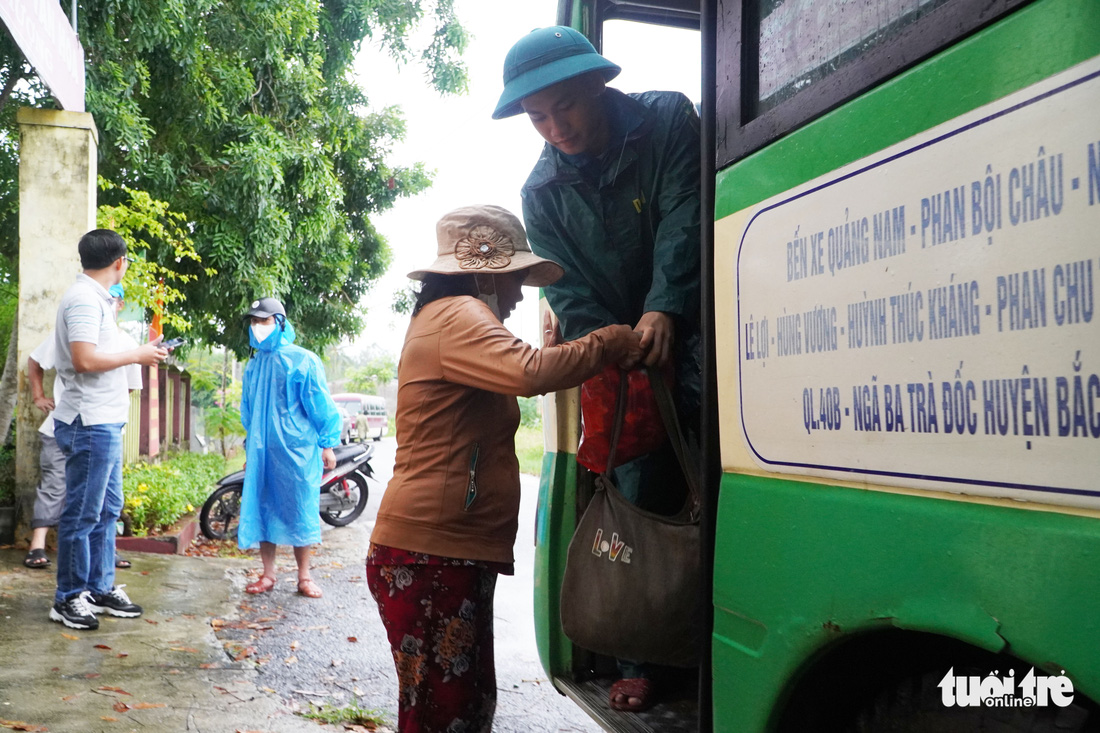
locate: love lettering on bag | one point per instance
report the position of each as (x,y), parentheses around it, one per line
(616,549)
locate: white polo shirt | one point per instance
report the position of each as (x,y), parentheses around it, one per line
(85,315)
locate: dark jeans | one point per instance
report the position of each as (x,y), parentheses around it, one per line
(93,501)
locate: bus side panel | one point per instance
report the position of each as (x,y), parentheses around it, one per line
(800,566)
(554,525)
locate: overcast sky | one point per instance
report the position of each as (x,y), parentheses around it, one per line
(478,160)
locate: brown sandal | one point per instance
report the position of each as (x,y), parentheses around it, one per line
(309,589)
(263,585)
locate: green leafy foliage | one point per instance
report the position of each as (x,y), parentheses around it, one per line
(147,224)
(158,494)
(217,393)
(352,713)
(7,475)
(530,414)
(245,118)
(368,378)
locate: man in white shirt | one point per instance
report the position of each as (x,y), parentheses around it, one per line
(88,420)
(50,495)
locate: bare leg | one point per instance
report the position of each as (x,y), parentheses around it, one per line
(267,556)
(301,556)
(38,538)
(306,586)
(267,579)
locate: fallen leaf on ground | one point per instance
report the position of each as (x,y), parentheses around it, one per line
(20,725)
(248,651)
(217,623)
(294,645)
(123,654)
(102,646)
(151,621)
(108,718)
(149,705)
(70,637)
(208,665)
(352,639)
(290,660)
(92,675)
(120,707)
(119,690)
(187,649)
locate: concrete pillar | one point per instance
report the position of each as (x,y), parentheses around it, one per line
(57,205)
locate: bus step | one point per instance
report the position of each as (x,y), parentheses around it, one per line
(677,712)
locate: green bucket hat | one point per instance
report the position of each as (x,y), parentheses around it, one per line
(544,57)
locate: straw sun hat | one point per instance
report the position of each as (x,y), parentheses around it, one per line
(487,240)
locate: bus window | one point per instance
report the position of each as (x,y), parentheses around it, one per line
(802,42)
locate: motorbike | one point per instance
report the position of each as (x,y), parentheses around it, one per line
(344,494)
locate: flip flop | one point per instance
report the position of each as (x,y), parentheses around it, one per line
(638,688)
(123,563)
(263,585)
(309,589)
(36,558)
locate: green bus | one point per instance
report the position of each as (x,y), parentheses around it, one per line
(901,434)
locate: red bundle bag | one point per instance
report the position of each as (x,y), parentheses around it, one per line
(643,430)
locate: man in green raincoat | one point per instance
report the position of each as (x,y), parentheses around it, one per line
(614,198)
(293,426)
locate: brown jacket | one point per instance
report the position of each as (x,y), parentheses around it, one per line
(455,486)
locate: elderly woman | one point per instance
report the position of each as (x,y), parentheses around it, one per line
(448,520)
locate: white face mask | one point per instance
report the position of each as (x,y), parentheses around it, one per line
(262,330)
(489,299)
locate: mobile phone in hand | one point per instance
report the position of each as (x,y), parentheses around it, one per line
(173,343)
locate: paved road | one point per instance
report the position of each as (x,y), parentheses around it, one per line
(334,649)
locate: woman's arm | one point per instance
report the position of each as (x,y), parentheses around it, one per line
(478,351)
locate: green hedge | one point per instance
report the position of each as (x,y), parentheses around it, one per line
(158,494)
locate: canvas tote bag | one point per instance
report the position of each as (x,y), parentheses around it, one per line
(633,579)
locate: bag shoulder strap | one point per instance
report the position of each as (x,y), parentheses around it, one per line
(685,451)
(620,416)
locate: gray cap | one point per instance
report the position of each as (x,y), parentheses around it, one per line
(265,307)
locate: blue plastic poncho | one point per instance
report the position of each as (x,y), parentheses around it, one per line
(290,417)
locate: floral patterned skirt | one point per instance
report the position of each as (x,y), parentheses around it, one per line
(438,614)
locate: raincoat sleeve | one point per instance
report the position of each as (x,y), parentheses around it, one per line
(246,392)
(476,350)
(319,405)
(571,296)
(675,287)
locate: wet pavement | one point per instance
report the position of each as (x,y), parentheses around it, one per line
(207,657)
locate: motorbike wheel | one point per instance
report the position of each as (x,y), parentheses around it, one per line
(356,486)
(221,513)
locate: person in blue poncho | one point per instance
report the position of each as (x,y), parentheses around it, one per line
(293,426)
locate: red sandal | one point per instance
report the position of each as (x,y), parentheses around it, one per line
(638,688)
(263,585)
